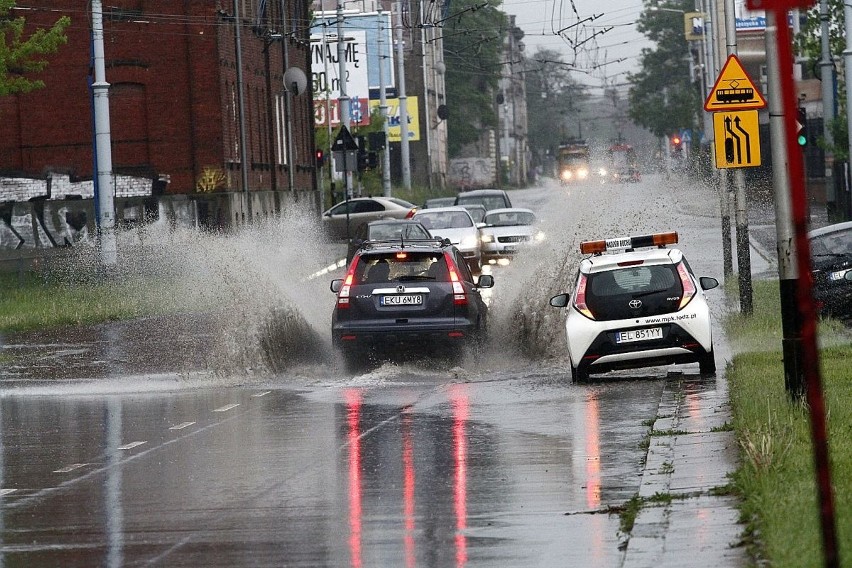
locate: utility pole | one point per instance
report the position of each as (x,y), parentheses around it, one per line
(383,107)
(238,48)
(788,273)
(826,65)
(103,143)
(403,106)
(743,250)
(345,113)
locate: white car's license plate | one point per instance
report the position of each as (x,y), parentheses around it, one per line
(638,335)
(402,300)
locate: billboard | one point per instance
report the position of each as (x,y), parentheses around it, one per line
(393,118)
(325,68)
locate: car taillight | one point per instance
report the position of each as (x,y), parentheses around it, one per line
(459,295)
(411,213)
(343,295)
(688,286)
(580,298)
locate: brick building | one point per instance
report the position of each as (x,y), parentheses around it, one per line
(174,99)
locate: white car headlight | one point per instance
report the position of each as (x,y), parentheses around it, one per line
(486,238)
(539,236)
(468,242)
(583,173)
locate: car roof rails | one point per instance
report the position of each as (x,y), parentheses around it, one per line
(403,243)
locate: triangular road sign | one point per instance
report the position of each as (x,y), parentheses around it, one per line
(344,141)
(734,89)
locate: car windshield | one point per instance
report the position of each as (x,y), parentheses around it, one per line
(400,266)
(838,243)
(509,218)
(478,213)
(489,201)
(444,220)
(387,231)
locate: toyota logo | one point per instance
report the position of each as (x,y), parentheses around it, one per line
(635,304)
(401,289)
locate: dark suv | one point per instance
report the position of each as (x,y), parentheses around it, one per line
(407,298)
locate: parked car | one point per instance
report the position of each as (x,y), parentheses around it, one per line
(455,224)
(636,304)
(401,230)
(489,198)
(506,231)
(361,211)
(831,268)
(439,202)
(408,298)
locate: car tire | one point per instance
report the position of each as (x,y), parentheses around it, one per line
(579,375)
(353,361)
(707,363)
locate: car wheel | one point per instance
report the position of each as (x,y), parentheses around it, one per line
(579,375)
(707,363)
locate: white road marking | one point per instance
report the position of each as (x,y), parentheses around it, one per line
(226,408)
(131,445)
(71,467)
(260,394)
(7,491)
(181,426)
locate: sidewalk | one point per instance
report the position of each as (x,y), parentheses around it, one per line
(689,461)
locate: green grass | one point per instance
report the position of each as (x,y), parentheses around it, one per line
(776,478)
(36,304)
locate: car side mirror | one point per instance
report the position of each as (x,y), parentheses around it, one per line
(481,225)
(485,281)
(708,283)
(336,285)
(559,301)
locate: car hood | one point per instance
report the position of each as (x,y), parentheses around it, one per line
(513,230)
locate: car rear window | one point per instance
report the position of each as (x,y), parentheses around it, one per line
(837,243)
(402,266)
(608,294)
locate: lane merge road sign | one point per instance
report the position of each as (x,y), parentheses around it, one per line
(737,139)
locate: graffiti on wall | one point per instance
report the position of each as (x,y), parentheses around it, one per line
(471,173)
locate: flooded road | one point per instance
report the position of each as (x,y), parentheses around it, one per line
(191,441)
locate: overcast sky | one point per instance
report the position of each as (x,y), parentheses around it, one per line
(608,56)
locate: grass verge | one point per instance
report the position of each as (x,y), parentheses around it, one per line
(36,304)
(776,478)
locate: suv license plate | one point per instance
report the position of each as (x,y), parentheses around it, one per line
(638,335)
(402,300)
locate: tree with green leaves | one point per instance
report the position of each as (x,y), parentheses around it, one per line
(21,56)
(553,97)
(473,47)
(662,96)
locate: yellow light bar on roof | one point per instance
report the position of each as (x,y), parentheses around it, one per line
(620,243)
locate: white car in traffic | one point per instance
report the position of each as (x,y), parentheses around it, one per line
(456,224)
(507,231)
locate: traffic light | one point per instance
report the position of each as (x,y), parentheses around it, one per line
(320,155)
(676,140)
(802,134)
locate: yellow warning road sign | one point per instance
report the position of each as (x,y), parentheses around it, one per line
(734,89)
(737,139)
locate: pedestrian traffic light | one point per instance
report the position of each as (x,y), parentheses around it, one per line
(320,158)
(802,133)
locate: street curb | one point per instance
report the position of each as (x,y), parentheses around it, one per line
(686,513)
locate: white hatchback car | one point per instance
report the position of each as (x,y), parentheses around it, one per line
(506,231)
(456,224)
(639,306)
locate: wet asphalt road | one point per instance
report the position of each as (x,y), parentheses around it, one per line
(130,444)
